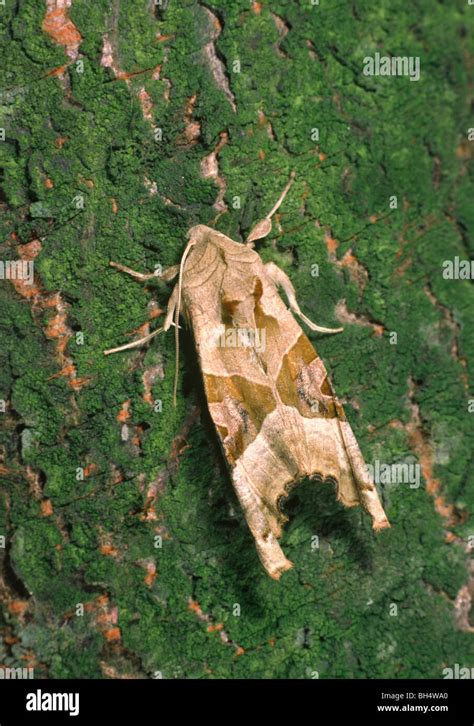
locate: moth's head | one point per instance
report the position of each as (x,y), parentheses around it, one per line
(198,233)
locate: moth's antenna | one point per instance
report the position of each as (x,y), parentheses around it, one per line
(264,227)
(176,321)
(282,196)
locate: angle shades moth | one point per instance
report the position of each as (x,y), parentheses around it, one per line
(268,392)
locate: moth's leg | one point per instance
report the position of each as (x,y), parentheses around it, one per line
(171,309)
(169,320)
(167,274)
(264,227)
(282,280)
(134,343)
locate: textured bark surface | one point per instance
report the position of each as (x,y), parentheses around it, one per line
(123,550)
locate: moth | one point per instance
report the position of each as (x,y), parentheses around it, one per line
(268,392)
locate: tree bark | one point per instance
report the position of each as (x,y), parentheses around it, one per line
(124,551)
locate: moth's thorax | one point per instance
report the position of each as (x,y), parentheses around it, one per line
(213,253)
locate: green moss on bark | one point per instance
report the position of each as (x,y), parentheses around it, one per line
(300,69)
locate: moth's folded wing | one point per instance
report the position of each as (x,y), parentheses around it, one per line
(333,450)
(259,473)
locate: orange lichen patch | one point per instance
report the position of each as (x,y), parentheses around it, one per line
(190,103)
(117,476)
(57,327)
(125,75)
(114,206)
(34,483)
(446,510)
(345,316)
(149,514)
(51,301)
(416,230)
(46,508)
(192,129)
(137,437)
(103,618)
(146,103)
(463,602)
(107,59)
(60,141)
(465,150)
(150,574)
(142,330)
(56,72)
(88,182)
(155,488)
(215,628)
(78,383)
(449,320)
(113,634)
(256,7)
(322,156)
(331,244)
(124,413)
(194,606)
(357,272)
(60,27)
(154,310)
(403,267)
(110,671)
(17,607)
(348,259)
(27,253)
(433,484)
(90,469)
(108,550)
(26,290)
(150,376)
(148,398)
(210,169)
(153,189)
(31,660)
(423,450)
(162,38)
(216,23)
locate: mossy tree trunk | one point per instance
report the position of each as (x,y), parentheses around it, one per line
(124,551)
